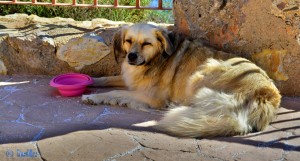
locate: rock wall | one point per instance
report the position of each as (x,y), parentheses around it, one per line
(266,31)
(51,46)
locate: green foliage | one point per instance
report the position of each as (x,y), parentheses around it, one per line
(84,13)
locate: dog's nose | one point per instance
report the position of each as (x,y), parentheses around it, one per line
(132,56)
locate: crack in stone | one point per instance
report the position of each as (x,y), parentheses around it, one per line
(105,112)
(283,153)
(146,157)
(10,90)
(147,147)
(21,120)
(3,98)
(21,115)
(39,135)
(283,156)
(198,148)
(129,152)
(141,144)
(144,146)
(39,151)
(199,153)
(186,151)
(26,123)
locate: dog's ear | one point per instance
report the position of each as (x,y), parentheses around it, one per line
(163,37)
(118,40)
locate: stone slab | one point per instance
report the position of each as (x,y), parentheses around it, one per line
(35,119)
(266,32)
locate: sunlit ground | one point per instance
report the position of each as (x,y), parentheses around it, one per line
(12,83)
(146,124)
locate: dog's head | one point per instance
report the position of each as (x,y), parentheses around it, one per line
(141,43)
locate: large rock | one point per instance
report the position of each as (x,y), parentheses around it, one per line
(265,31)
(28,52)
(82,51)
(51,46)
(100,144)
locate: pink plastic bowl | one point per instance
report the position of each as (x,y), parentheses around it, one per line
(71,84)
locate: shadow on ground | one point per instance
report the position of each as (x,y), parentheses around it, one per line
(32,111)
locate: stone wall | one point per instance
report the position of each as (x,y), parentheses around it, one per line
(266,31)
(51,46)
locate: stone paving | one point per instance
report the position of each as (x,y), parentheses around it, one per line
(36,123)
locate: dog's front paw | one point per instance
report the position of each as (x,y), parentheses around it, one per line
(132,104)
(103,98)
(89,99)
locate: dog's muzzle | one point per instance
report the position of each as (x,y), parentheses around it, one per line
(135,59)
(132,57)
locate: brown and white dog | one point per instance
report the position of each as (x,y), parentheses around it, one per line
(209,93)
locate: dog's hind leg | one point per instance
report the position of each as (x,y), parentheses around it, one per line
(130,99)
(212,113)
(112,81)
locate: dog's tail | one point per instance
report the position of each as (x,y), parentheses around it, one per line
(215,113)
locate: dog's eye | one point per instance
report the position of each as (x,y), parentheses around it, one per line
(146,44)
(128,41)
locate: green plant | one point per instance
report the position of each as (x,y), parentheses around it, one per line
(82,13)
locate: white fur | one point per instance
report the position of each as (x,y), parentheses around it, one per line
(208,109)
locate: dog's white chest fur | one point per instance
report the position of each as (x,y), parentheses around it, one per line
(132,76)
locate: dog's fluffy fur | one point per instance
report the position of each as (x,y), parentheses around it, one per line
(209,93)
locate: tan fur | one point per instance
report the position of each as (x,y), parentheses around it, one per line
(210,93)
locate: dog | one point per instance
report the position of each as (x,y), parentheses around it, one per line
(209,92)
